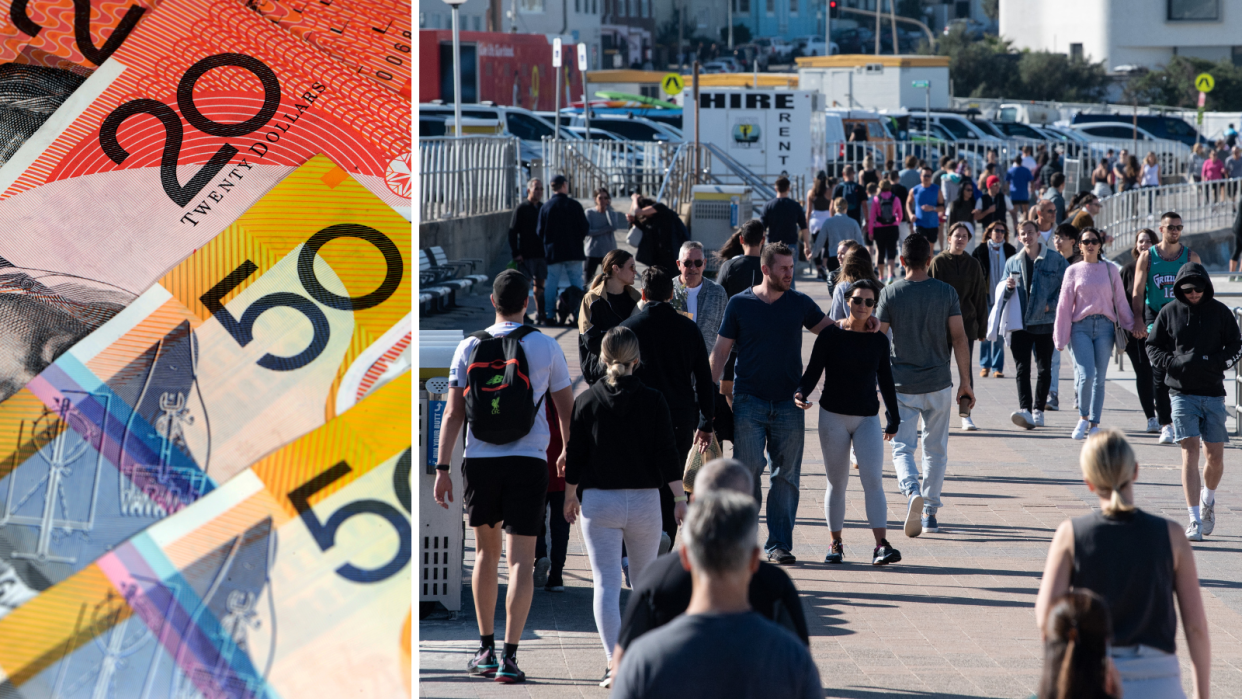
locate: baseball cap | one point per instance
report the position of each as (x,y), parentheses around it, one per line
(511,289)
(558,181)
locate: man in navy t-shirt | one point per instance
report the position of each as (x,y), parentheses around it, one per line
(925,205)
(765,324)
(1020,185)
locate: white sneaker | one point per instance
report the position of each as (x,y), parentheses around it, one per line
(1080,430)
(1166,434)
(1208,514)
(542,566)
(1023,419)
(1194,531)
(969,425)
(1153,425)
(1038,416)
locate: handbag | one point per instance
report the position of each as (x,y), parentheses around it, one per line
(1121,336)
(695,461)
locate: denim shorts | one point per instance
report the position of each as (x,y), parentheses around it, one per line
(1199,416)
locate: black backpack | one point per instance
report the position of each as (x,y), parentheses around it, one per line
(500,400)
(886,212)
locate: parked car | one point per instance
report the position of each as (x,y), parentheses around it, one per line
(631,128)
(1029,113)
(1158,125)
(814,46)
(1174,155)
(779,50)
(717,67)
(1016,129)
(526,125)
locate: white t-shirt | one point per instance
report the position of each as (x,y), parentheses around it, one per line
(1029,163)
(692,301)
(1151,176)
(548,372)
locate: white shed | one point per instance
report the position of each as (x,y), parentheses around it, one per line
(877,82)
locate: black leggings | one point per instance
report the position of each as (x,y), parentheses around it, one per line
(1021,345)
(1136,350)
(1237,247)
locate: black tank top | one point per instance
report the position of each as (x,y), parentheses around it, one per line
(821,203)
(1127,560)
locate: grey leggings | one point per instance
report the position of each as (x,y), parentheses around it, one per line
(836,432)
(608,517)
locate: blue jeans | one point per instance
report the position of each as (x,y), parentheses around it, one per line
(1092,341)
(571,271)
(992,355)
(1056,373)
(780,426)
(934,410)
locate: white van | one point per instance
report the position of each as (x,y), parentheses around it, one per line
(1031,113)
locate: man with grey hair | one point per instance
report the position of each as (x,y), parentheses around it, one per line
(697,296)
(526,246)
(665,591)
(720,646)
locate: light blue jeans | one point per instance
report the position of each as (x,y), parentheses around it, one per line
(992,354)
(1148,673)
(934,409)
(1056,375)
(780,426)
(1092,341)
(571,271)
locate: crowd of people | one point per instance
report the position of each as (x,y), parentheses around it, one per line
(676,363)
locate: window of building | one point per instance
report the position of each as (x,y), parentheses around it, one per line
(621,9)
(531,6)
(646,8)
(594,7)
(741,6)
(1075,52)
(577,6)
(771,8)
(961,9)
(1237,55)
(1194,10)
(793,8)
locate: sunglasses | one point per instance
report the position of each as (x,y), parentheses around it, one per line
(1178,227)
(1089,241)
(691,263)
(856,300)
(1192,288)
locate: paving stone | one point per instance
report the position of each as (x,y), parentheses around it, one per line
(955,618)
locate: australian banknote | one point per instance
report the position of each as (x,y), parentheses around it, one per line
(283,321)
(202,110)
(292,580)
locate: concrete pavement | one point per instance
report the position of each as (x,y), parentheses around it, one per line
(955,618)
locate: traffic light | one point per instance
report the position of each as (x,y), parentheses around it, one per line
(832,9)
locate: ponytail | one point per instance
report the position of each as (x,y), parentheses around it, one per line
(615,258)
(732,247)
(618,352)
(1065,678)
(1107,463)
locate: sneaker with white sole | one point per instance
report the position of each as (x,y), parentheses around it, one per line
(1166,435)
(969,425)
(1194,531)
(1038,417)
(1080,430)
(542,566)
(929,523)
(1153,425)
(914,512)
(1208,515)
(1054,403)
(1023,419)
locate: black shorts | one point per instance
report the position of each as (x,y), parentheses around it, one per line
(509,489)
(886,243)
(932,234)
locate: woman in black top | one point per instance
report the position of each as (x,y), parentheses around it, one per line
(962,209)
(621,450)
(1136,348)
(1138,563)
(858,359)
(611,299)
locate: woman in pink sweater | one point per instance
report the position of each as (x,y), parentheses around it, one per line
(1092,300)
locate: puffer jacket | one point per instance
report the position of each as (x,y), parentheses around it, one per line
(1041,306)
(1194,345)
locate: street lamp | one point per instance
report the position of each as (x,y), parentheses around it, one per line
(456,5)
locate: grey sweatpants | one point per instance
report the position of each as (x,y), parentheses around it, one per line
(608,517)
(836,435)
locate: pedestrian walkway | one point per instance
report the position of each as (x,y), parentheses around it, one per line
(956,617)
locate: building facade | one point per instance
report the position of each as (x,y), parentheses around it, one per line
(571,20)
(628,32)
(1125,33)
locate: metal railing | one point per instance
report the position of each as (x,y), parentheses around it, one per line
(679,181)
(1203,206)
(1174,157)
(467,176)
(620,166)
